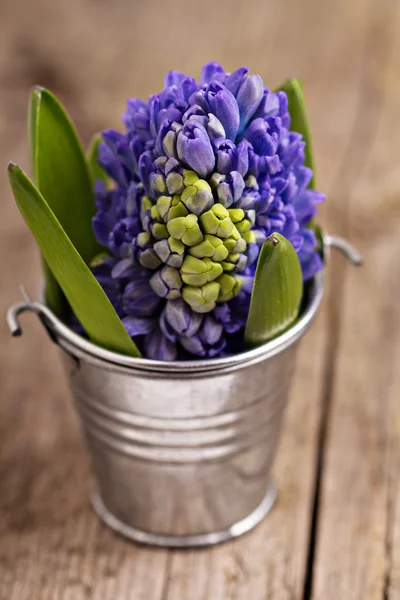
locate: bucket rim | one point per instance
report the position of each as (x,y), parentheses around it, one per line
(83,349)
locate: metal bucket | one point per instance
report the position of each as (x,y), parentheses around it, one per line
(181,451)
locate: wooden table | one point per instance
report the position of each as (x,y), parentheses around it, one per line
(335,531)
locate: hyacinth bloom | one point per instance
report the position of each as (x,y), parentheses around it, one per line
(203,174)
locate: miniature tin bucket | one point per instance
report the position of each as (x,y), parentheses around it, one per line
(181,451)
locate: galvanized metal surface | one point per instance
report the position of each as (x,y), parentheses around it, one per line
(181,451)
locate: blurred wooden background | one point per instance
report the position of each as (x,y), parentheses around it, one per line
(335,532)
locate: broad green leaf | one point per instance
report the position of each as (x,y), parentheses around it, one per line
(93,152)
(62,175)
(85,295)
(277,292)
(55,299)
(299,121)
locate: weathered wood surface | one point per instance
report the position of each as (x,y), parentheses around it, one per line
(335,532)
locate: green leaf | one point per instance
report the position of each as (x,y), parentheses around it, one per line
(62,175)
(85,295)
(277,292)
(320,239)
(97,172)
(54,297)
(299,121)
(53,294)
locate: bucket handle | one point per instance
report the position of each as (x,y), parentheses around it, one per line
(347,249)
(52,326)
(45,315)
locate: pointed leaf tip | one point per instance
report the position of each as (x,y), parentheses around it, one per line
(277,292)
(85,295)
(273,239)
(293,88)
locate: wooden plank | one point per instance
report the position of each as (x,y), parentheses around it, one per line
(269,562)
(51,544)
(358,540)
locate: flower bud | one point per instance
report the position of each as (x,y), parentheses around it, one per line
(167,283)
(216,221)
(229,287)
(211,247)
(194,148)
(170,252)
(248,98)
(179,320)
(197,272)
(210,71)
(197,197)
(228,188)
(201,299)
(264,135)
(186,229)
(208,341)
(139,299)
(171,207)
(174,183)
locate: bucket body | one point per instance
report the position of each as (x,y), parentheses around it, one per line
(182,457)
(181,452)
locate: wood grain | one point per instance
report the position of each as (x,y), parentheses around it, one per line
(358,543)
(340,449)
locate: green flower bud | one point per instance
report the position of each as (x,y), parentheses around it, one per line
(198,197)
(217,222)
(251,182)
(186,229)
(233,258)
(227,266)
(144,240)
(244,226)
(212,247)
(201,299)
(236,214)
(155,214)
(175,183)
(230,244)
(171,208)
(230,287)
(159,231)
(244,220)
(169,141)
(190,177)
(145,206)
(198,272)
(249,237)
(157,182)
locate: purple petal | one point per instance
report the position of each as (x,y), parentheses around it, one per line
(210,71)
(173,78)
(194,148)
(248,98)
(227,111)
(158,347)
(234,80)
(136,326)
